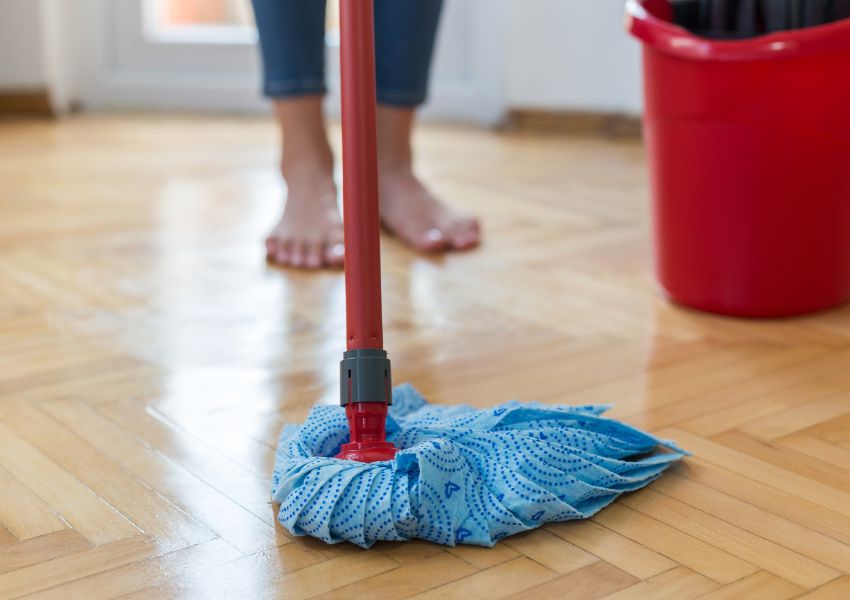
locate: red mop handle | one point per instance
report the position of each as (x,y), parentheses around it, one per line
(360,176)
(365,379)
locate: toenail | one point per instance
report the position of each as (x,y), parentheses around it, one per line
(434,235)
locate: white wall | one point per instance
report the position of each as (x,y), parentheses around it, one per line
(35,49)
(556,54)
(571,55)
(21,52)
(60,57)
(120,67)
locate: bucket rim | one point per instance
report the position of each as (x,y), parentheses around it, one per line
(644,24)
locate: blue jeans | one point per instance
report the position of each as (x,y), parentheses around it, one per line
(292,43)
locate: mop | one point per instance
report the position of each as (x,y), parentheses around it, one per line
(388,466)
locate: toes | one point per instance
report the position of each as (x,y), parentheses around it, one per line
(307,255)
(277,248)
(465,233)
(283,253)
(302,254)
(431,240)
(334,254)
(298,257)
(273,246)
(313,255)
(310,220)
(412,213)
(283,257)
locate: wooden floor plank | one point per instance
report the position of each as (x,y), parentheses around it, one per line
(551,551)
(151,357)
(58,571)
(790,421)
(144,507)
(825,379)
(405,553)
(405,581)
(709,412)
(41,549)
(793,462)
(596,580)
(23,513)
(263,575)
(667,383)
(764,472)
(630,556)
(756,550)
(220,514)
(814,447)
(500,581)
(757,520)
(484,558)
(699,556)
(675,584)
(236,482)
(83,509)
(840,588)
(758,586)
(777,501)
(835,431)
(142,575)
(6,537)
(710,381)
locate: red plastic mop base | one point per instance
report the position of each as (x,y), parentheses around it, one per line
(367,423)
(367,452)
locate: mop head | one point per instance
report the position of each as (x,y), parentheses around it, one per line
(462,476)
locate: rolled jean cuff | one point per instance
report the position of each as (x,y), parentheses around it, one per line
(402,98)
(291,88)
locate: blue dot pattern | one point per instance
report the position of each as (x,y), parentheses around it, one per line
(462,476)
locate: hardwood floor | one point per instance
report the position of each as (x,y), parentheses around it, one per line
(150,358)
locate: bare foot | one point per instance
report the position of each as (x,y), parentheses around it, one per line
(309,235)
(408,208)
(411,212)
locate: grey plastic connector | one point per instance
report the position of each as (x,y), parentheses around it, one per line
(365,376)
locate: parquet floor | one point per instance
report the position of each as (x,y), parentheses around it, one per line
(150,357)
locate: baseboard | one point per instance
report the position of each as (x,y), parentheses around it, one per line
(30,103)
(575,122)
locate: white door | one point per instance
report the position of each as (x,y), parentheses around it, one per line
(201,55)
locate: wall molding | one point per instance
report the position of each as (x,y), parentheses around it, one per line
(31,103)
(575,122)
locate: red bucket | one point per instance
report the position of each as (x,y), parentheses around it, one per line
(749,155)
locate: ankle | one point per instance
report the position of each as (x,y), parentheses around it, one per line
(304,170)
(394,168)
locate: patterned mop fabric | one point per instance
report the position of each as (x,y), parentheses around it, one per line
(462,476)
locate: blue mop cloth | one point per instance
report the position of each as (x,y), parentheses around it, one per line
(462,476)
